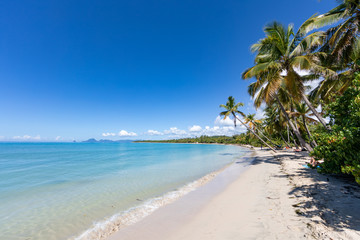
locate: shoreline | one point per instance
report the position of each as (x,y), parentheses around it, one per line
(179,211)
(106,228)
(276,197)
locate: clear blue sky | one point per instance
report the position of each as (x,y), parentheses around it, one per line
(78,69)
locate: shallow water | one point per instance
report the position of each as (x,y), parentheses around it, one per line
(60,190)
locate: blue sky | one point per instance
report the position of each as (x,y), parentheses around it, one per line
(117,69)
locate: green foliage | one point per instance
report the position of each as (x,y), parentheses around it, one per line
(236,139)
(241,139)
(340,148)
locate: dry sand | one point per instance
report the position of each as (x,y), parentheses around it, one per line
(274,198)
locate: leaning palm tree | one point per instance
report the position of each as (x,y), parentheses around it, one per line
(274,121)
(279,57)
(254,125)
(252,121)
(301,112)
(263,92)
(232,109)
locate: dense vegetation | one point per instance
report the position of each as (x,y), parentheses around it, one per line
(340,148)
(242,139)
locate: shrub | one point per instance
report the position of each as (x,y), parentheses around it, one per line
(340,148)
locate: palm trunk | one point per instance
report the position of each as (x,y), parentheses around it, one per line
(264,136)
(287,126)
(287,144)
(267,138)
(298,127)
(293,138)
(296,131)
(255,134)
(318,116)
(308,132)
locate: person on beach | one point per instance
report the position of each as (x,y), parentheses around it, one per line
(313,162)
(297,150)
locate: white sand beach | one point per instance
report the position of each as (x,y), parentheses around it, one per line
(276,197)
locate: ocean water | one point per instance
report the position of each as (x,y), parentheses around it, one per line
(86,190)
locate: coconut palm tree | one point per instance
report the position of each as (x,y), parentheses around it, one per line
(301,112)
(231,108)
(254,125)
(274,121)
(280,56)
(330,86)
(262,92)
(252,121)
(342,38)
(342,44)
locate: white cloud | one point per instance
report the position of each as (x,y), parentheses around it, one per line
(108,134)
(124,133)
(223,130)
(175,131)
(154,132)
(57,138)
(221,127)
(260,113)
(219,121)
(27,138)
(195,128)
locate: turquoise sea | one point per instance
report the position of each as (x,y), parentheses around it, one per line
(85,190)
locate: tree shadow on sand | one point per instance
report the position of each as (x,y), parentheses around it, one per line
(335,199)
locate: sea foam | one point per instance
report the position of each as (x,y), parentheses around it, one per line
(102,230)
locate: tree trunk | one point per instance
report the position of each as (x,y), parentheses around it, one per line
(318,116)
(255,134)
(264,135)
(287,126)
(287,144)
(298,127)
(294,140)
(296,131)
(308,132)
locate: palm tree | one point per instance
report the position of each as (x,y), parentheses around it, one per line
(274,121)
(343,45)
(232,108)
(280,55)
(339,84)
(254,124)
(279,95)
(302,111)
(252,121)
(341,39)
